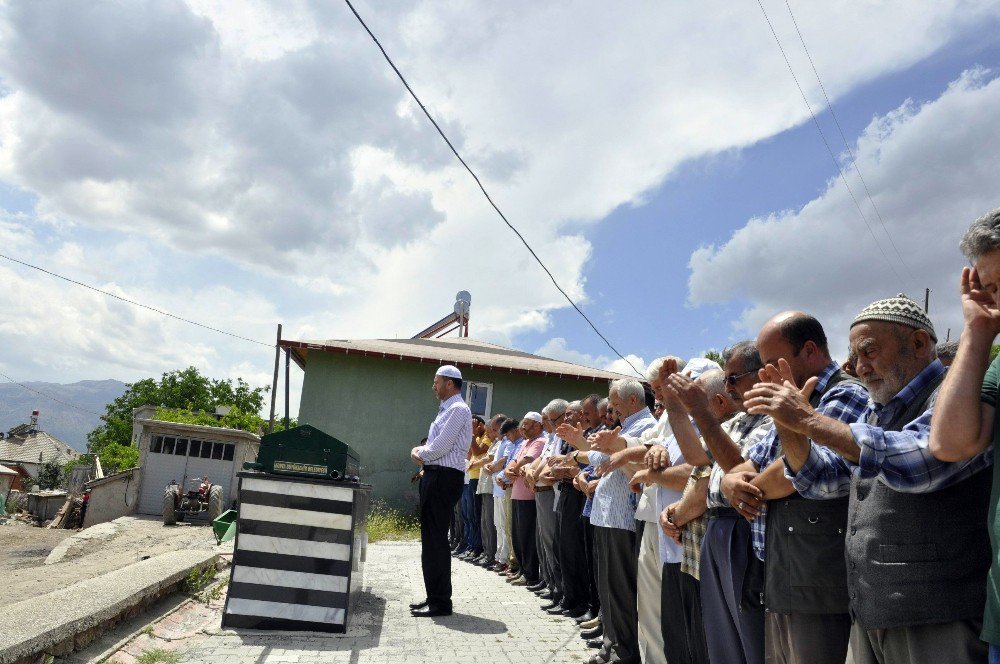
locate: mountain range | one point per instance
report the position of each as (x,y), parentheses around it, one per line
(66,423)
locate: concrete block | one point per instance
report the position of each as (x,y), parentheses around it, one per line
(50,623)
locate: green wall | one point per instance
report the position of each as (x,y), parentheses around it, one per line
(383,407)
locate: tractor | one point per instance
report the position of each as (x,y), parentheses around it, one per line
(203,497)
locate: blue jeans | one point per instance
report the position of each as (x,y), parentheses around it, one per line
(994,654)
(470,519)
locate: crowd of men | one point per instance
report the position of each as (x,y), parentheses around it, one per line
(781,507)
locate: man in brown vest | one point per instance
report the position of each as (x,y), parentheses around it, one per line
(916,542)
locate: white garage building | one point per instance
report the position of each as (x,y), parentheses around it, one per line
(172,452)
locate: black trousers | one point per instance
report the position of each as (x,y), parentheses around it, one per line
(572,547)
(680,618)
(616,574)
(523,531)
(488,527)
(456,529)
(593,597)
(440,490)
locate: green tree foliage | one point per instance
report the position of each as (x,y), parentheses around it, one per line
(715,356)
(50,475)
(186,389)
(994,351)
(234,419)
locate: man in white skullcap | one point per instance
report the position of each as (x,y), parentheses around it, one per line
(443,460)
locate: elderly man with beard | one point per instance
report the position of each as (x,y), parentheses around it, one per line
(916,573)
(807,620)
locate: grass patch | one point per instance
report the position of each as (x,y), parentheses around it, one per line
(158,656)
(198,579)
(389,523)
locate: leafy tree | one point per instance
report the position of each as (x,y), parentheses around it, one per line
(186,389)
(234,419)
(50,475)
(715,356)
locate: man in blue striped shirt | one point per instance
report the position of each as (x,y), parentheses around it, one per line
(443,460)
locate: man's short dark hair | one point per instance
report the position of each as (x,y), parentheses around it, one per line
(746,352)
(479,419)
(592,399)
(506,427)
(801,329)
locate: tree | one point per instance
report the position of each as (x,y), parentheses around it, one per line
(715,356)
(186,389)
(50,475)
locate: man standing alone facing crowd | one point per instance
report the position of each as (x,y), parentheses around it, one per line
(443,459)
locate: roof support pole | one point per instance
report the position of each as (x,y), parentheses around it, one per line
(274,382)
(288,364)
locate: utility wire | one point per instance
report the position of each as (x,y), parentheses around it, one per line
(50,397)
(134,303)
(847,144)
(483,189)
(827,144)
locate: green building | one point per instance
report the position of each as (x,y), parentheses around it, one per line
(375,394)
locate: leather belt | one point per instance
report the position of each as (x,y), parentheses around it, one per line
(542,489)
(716,512)
(436,467)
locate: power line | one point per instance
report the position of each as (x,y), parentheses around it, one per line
(134,303)
(483,189)
(50,397)
(840,171)
(847,144)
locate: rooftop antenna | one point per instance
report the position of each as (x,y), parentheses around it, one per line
(457,320)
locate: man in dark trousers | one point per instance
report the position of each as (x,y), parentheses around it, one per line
(443,460)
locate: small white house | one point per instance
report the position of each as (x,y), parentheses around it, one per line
(170,452)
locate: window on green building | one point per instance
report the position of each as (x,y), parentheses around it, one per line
(479,396)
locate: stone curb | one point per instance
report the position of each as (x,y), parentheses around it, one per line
(68,619)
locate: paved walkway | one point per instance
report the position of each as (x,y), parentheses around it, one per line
(493,622)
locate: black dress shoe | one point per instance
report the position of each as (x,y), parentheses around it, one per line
(430,612)
(595,633)
(588,616)
(595,643)
(537,586)
(418,605)
(545,594)
(555,602)
(575,613)
(556,610)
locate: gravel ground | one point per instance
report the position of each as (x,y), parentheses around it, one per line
(24,550)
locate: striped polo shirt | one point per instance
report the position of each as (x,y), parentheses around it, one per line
(612,506)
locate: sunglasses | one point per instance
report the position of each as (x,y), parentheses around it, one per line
(732,378)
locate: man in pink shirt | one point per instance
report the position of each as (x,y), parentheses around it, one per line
(523,500)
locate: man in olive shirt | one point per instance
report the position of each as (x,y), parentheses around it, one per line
(965,422)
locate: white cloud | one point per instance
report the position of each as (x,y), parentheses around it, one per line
(932,170)
(556,349)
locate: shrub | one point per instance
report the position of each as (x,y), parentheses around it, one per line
(388,523)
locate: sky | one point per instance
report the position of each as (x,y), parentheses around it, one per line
(242,168)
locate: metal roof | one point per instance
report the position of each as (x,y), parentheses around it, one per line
(460,351)
(4,470)
(35,447)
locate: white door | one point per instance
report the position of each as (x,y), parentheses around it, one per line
(178,459)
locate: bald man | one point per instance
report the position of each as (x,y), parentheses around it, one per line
(805,587)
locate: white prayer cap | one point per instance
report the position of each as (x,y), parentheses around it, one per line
(533,416)
(699,365)
(449,371)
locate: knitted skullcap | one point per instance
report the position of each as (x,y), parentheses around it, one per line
(899,309)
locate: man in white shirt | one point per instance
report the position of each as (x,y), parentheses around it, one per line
(443,461)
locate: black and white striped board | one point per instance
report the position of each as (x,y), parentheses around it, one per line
(298,553)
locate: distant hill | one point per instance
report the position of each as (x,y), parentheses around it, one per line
(67,424)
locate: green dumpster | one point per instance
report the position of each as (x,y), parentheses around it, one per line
(224,526)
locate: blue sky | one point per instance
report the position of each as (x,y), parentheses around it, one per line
(263,166)
(706,199)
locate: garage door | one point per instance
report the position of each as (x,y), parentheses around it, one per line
(177,459)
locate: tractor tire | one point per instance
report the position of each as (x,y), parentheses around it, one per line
(214,502)
(169,513)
